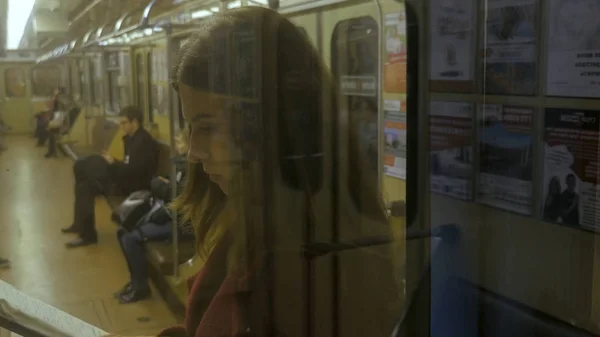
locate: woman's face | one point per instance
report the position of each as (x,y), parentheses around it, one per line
(211,140)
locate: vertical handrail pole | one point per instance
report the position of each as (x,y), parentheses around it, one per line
(172,129)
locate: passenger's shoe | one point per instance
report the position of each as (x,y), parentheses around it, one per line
(69,230)
(79,242)
(4,263)
(134,295)
(126,288)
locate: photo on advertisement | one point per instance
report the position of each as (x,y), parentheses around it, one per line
(506,157)
(451,149)
(511,47)
(570,183)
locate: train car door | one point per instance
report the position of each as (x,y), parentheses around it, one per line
(366,305)
(15,97)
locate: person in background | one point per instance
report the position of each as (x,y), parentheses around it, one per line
(56,123)
(156,226)
(96,174)
(44,117)
(570,202)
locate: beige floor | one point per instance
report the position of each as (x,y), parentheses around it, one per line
(36,200)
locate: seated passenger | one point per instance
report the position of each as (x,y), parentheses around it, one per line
(57,122)
(156,226)
(94,175)
(233,139)
(44,117)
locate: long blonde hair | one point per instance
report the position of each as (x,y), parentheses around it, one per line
(290,87)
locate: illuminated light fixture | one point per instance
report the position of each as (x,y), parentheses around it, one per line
(215,9)
(260,2)
(235,4)
(18,15)
(201,14)
(148,31)
(157,29)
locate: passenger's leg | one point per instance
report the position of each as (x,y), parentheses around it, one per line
(89,171)
(136,256)
(85,196)
(52,134)
(127,287)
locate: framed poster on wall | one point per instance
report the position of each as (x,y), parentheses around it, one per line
(506,157)
(571,168)
(451,149)
(573,48)
(510,47)
(452,42)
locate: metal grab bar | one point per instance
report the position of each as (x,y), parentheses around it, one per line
(448,233)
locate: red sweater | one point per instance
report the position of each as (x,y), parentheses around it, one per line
(214,302)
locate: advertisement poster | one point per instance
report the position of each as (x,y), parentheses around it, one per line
(573,48)
(394,159)
(510,47)
(570,195)
(452,40)
(506,157)
(394,68)
(451,149)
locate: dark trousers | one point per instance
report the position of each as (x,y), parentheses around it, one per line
(132,246)
(41,134)
(52,135)
(91,180)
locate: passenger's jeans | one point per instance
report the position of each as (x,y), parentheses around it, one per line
(132,245)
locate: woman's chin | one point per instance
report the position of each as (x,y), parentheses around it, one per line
(219,180)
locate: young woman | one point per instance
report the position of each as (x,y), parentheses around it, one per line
(251,86)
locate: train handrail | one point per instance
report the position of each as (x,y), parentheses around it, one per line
(449,233)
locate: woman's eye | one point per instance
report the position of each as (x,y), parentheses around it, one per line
(205,128)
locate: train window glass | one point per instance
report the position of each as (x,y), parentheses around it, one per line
(15,82)
(92,81)
(81,80)
(149,87)
(139,63)
(44,79)
(178,45)
(113,91)
(112,60)
(124,75)
(354,60)
(96,73)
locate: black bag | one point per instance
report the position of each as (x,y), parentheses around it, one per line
(129,213)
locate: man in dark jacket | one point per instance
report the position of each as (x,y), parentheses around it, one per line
(95,175)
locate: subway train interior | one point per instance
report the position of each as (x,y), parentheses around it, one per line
(220,168)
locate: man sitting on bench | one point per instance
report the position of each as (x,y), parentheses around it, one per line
(94,175)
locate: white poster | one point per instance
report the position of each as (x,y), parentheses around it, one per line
(510,47)
(394,159)
(573,48)
(452,23)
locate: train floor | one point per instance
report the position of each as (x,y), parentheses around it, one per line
(36,200)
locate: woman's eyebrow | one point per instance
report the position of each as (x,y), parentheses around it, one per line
(201,116)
